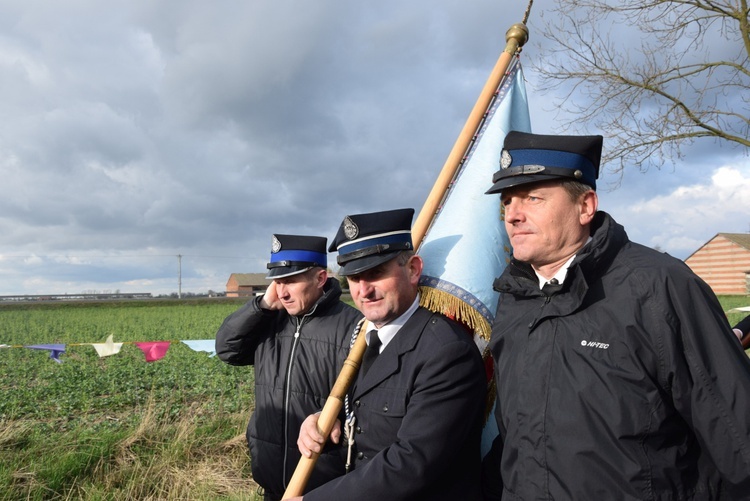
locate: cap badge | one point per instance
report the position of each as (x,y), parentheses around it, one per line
(505,159)
(275,245)
(350,229)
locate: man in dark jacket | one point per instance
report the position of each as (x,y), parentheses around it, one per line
(418,400)
(297,336)
(618,376)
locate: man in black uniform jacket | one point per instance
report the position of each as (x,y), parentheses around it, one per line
(418,407)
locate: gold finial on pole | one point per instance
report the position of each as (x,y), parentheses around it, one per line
(518,34)
(515,37)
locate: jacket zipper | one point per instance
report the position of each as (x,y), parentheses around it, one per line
(547,298)
(287,389)
(546,301)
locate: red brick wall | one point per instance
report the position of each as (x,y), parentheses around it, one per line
(232,287)
(722,264)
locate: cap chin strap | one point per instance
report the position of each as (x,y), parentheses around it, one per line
(279,264)
(521,170)
(375,249)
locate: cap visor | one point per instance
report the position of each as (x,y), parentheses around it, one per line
(363,264)
(509,182)
(286,271)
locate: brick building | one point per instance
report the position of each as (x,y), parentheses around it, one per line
(246,284)
(724,263)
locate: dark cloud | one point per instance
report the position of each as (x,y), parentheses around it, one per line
(134,132)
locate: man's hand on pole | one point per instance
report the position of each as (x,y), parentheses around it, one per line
(311,440)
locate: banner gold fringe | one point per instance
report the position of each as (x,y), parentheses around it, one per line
(452,307)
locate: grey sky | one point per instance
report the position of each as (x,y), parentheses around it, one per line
(135,131)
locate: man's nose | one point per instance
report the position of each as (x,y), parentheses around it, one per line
(513,211)
(365,288)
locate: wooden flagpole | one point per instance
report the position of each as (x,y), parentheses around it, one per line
(329,414)
(515,37)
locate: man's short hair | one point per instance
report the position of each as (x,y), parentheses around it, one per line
(575,189)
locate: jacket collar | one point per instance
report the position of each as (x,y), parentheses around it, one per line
(607,238)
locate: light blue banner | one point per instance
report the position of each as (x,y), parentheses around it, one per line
(467,246)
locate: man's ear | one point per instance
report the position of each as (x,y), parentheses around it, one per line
(415,266)
(321,277)
(589,203)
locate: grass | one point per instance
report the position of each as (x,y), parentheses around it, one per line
(193,457)
(119,428)
(729,302)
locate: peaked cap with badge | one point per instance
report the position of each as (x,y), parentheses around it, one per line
(530,158)
(366,240)
(292,254)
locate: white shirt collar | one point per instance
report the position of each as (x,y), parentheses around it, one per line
(387,332)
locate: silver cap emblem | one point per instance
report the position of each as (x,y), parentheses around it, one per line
(505,159)
(350,229)
(275,245)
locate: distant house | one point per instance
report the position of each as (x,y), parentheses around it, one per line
(724,263)
(246,284)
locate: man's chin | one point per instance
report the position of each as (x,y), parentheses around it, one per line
(292,310)
(371,314)
(519,252)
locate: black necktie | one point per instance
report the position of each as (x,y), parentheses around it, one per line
(372,351)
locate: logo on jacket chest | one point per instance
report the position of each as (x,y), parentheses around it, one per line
(594,344)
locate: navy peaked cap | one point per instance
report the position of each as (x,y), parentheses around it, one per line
(530,158)
(292,254)
(367,240)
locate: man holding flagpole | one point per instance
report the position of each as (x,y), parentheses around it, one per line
(618,376)
(416,406)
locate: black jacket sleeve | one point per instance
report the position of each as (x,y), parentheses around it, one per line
(241,333)
(492,482)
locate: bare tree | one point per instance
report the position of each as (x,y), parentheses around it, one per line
(652,75)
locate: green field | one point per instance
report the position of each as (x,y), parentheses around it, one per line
(119,427)
(729,302)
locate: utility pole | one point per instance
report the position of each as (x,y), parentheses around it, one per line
(179,276)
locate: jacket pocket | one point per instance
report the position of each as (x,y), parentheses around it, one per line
(388,402)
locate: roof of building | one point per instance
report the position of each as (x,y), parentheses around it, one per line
(741,239)
(250,279)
